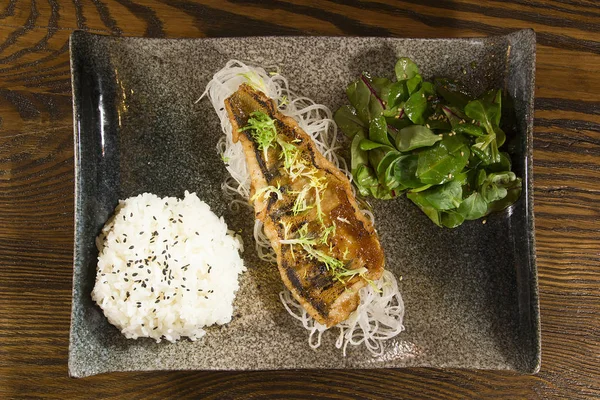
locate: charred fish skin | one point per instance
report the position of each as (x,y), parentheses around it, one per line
(327,250)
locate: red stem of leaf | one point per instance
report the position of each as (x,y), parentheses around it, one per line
(371,89)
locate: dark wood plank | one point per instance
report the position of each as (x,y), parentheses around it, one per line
(36,189)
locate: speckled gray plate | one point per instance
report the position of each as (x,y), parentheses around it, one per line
(470,293)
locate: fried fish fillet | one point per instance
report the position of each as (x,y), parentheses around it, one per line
(327,250)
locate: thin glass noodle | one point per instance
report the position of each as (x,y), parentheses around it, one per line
(381,310)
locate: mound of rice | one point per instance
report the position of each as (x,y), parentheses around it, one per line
(166,268)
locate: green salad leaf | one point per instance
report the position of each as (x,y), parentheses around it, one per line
(441,162)
(348,121)
(405,69)
(416,136)
(430,140)
(365,99)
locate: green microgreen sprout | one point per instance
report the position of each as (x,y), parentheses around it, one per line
(266,192)
(327,232)
(254,80)
(290,154)
(300,204)
(263,131)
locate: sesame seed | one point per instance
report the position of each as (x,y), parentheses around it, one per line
(130,247)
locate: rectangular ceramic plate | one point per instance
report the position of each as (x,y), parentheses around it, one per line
(470,293)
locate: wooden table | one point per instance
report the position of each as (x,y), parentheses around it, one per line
(36,189)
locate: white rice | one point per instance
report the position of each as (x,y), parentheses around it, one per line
(166,268)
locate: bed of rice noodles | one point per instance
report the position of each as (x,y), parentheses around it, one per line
(381,310)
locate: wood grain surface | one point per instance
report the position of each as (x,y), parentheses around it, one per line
(36,189)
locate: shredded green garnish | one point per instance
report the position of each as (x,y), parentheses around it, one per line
(300,204)
(266,192)
(373,285)
(224,159)
(319,184)
(330,231)
(345,255)
(330,262)
(263,131)
(254,80)
(351,273)
(287,226)
(302,238)
(290,154)
(283,101)
(337,267)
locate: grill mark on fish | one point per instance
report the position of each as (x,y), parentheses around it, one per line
(293,277)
